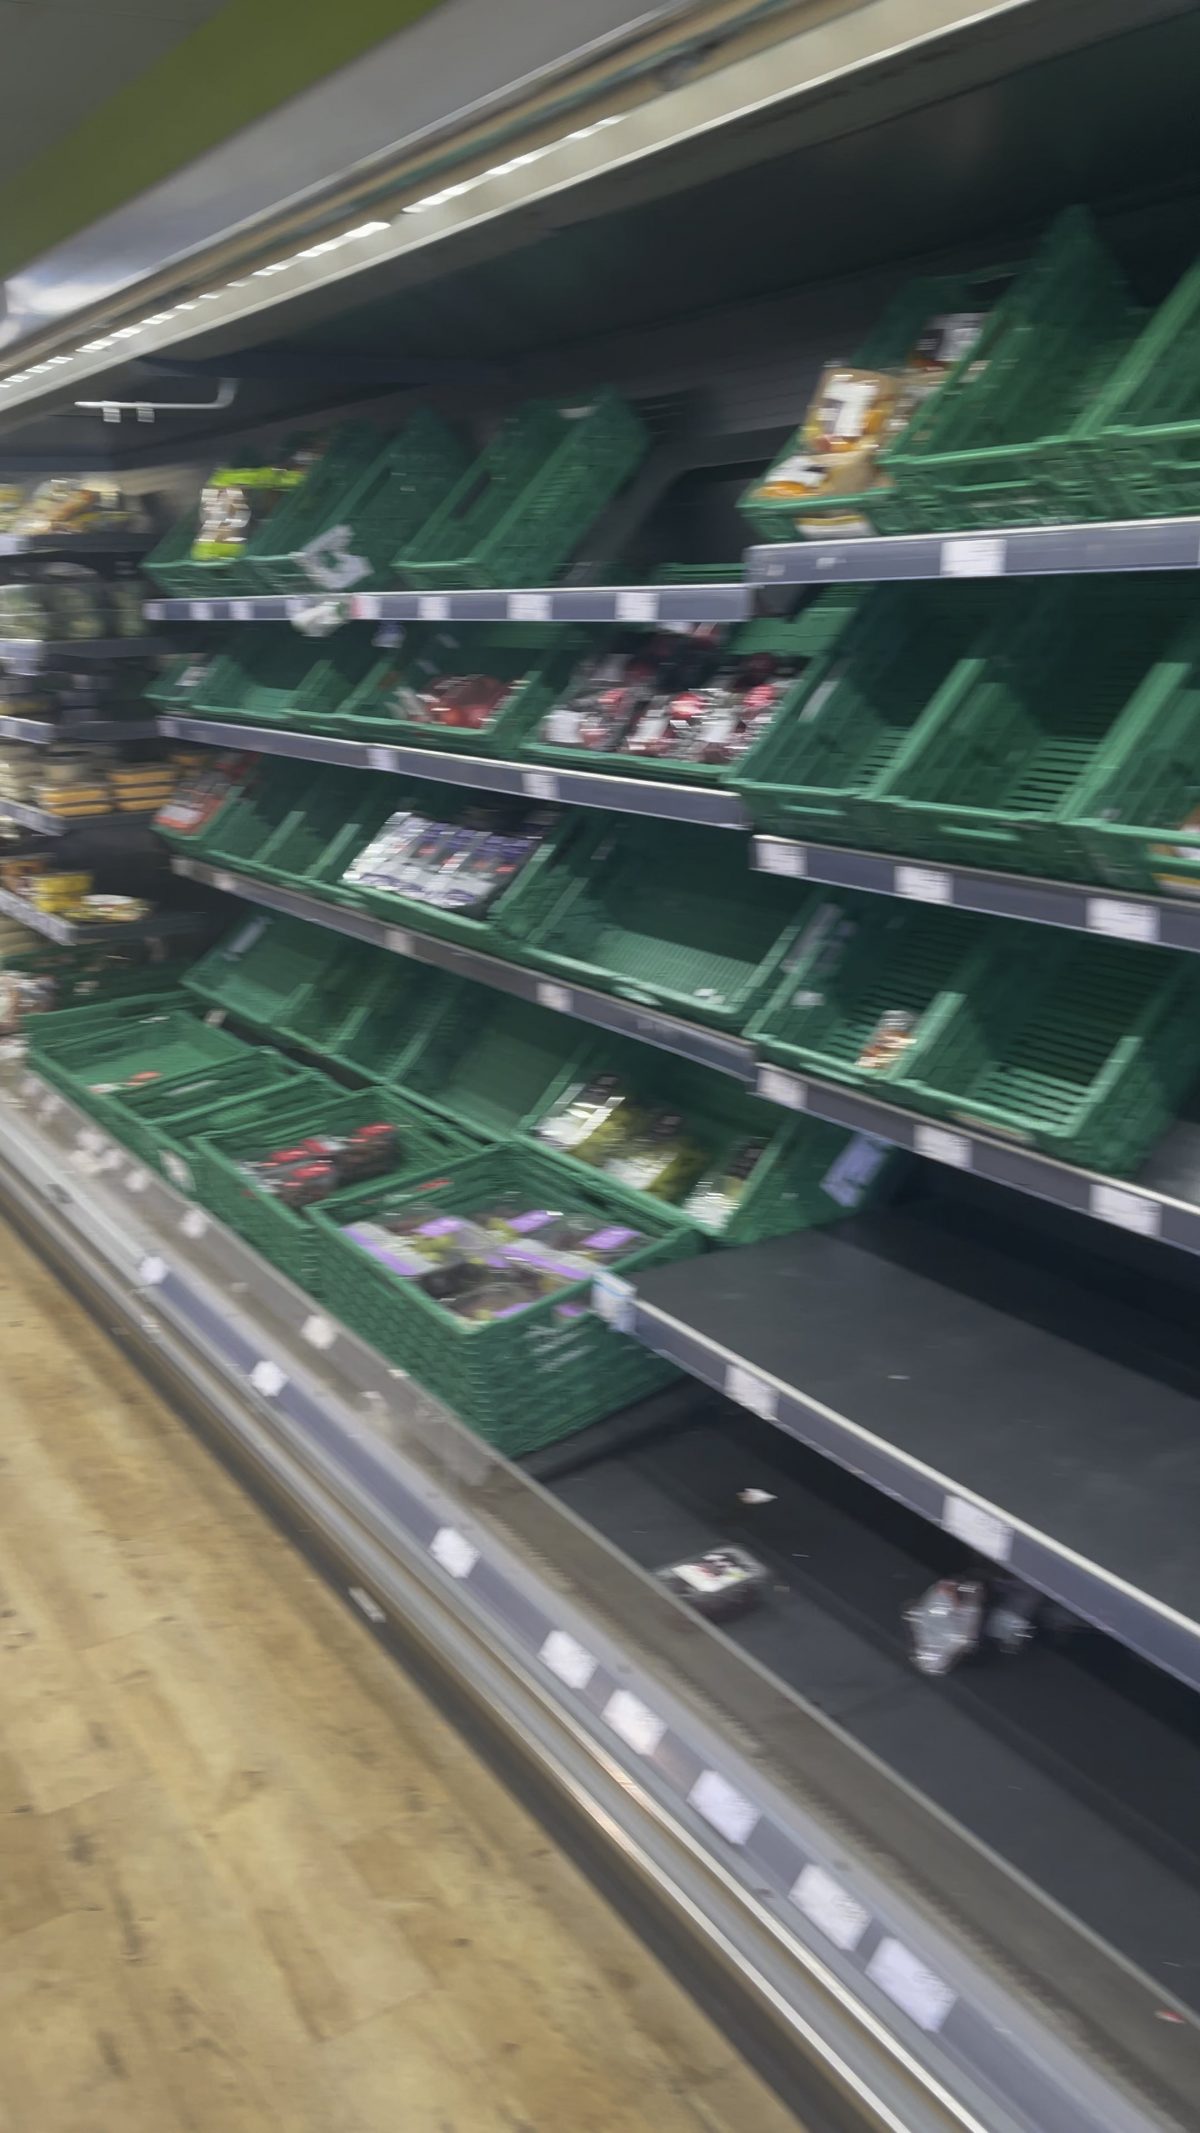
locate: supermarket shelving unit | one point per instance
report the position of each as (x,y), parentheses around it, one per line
(884,1942)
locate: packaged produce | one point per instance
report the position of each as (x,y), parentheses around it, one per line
(714,1197)
(661,1159)
(673,697)
(946,1624)
(61,507)
(308,1170)
(497,1259)
(203,791)
(592,1119)
(1167,857)
(453,866)
(888,1041)
(463,702)
(236,501)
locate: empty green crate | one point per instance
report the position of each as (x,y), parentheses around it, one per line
(61,1028)
(536,657)
(177,680)
(491,1061)
(1144,428)
(330,817)
(383,1033)
(1137,817)
(666,914)
(286,1235)
(809,774)
(808,1172)
(989,774)
(524,1380)
(1005,444)
(92,1068)
(379,491)
(273,676)
(1079,1047)
(857,960)
(242,828)
(518,515)
(158,1122)
(322,1010)
(260,971)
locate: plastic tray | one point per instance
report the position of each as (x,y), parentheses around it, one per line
(1144,428)
(538,657)
(159,1122)
(491,1061)
(520,1381)
(668,915)
(519,513)
(1129,815)
(91,1066)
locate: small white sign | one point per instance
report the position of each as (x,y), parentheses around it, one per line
(136,1180)
(924,885)
(830,1908)
(398,941)
(569,1659)
(775,855)
(728,1810)
(974,556)
(923,1996)
(942,1146)
(780,1087)
(612,1300)
(152,1272)
(363,1601)
(201,611)
(224,882)
(267,1378)
(241,610)
(382,758)
(215,1018)
(1123,921)
(980,1529)
(318,1331)
(555,996)
(177,1170)
(169,728)
(539,784)
(366,607)
(1128,1210)
(530,607)
(50,1106)
(194,1223)
(637,603)
(433,607)
(749,1390)
(454,1551)
(90,1141)
(640,1727)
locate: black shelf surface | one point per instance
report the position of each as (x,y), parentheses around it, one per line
(574,788)
(1013,551)
(1171,922)
(708,1047)
(1050,1422)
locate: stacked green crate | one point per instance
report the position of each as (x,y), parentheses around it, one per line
(1144,428)
(1137,817)
(271,675)
(668,915)
(812,772)
(535,658)
(492,1062)
(990,774)
(264,968)
(525,1378)
(160,1121)
(342,527)
(519,513)
(386,1025)
(91,1062)
(240,830)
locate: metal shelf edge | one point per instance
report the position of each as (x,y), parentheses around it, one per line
(1005,551)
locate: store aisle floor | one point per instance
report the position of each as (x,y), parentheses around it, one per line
(250,1881)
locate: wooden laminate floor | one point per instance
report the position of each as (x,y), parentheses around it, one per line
(249,1879)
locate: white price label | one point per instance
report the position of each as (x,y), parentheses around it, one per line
(152,1272)
(454,1551)
(728,1810)
(194,1224)
(363,1601)
(638,603)
(1124,921)
(980,1529)
(612,1300)
(555,996)
(640,1727)
(774,855)
(974,556)
(366,607)
(50,1106)
(1128,1210)
(169,728)
(201,611)
(90,1141)
(530,607)
(780,1087)
(569,1659)
(136,1180)
(923,885)
(241,610)
(942,1146)
(215,1018)
(539,784)
(749,1390)
(267,1378)
(224,882)
(920,1994)
(318,1331)
(382,758)
(830,1908)
(433,607)
(177,1170)
(398,941)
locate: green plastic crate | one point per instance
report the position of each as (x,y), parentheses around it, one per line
(285,1235)
(380,491)
(521,1381)
(254,811)
(158,1122)
(178,679)
(91,1067)
(322,1011)
(1130,815)
(493,1062)
(808,636)
(857,959)
(880,509)
(1081,1047)
(270,675)
(261,969)
(398,1004)
(808,775)
(665,914)
(1144,427)
(518,515)
(326,826)
(61,1027)
(808,1173)
(536,656)
(1006,443)
(989,774)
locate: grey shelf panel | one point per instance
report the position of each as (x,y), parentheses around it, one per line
(69,934)
(707,1047)
(952,2043)
(115,545)
(729,602)
(38,818)
(1014,552)
(28,655)
(575,788)
(44,733)
(1171,922)
(965,1387)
